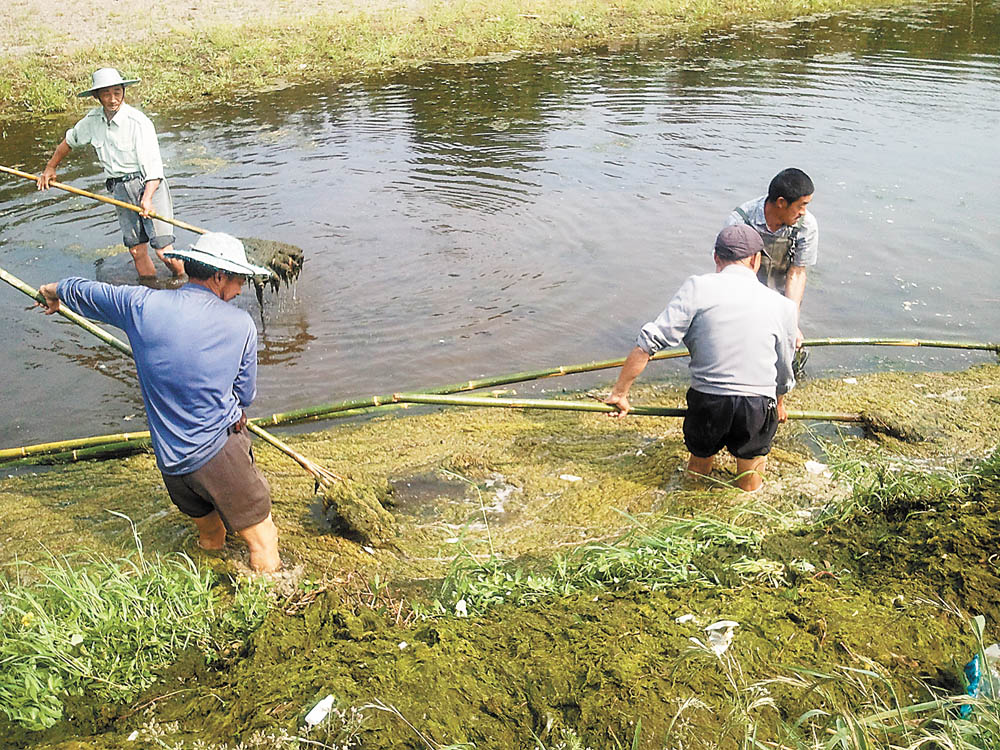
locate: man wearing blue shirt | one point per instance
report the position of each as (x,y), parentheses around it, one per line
(196,358)
(741,336)
(129,153)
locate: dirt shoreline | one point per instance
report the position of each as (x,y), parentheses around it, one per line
(219,50)
(49,28)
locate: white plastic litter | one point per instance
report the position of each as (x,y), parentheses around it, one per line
(720,635)
(320,711)
(570,478)
(815,467)
(461,608)
(683,619)
(851,381)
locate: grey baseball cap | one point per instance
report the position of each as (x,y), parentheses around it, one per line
(737,242)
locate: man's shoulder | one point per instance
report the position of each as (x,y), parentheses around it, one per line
(782,304)
(808,222)
(753,209)
(91,118)
(132,113)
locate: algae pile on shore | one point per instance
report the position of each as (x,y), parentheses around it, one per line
(584,564)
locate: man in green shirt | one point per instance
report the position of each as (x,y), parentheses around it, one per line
(126,146)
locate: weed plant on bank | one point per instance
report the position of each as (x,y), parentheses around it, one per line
(104,627)
(221,64)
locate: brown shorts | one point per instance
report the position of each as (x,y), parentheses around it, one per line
(230,483)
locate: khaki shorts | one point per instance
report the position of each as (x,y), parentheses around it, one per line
(136,229)
(229,483)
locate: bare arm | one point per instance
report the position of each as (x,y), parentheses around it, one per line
(635,363)
(782,413)
(49,173)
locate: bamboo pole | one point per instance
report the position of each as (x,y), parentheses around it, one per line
(67,313)
(354,407)
(971,345)
(104,199)
(98,451)
(61,446)
(283,260)
(323,477)
(589,406)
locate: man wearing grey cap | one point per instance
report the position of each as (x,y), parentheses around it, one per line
(129,153)
(196,358)
(741,336)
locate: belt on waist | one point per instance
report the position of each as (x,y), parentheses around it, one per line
(112,181)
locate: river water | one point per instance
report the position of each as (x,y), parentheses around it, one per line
(519,213)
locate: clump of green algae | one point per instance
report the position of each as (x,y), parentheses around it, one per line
(590,662)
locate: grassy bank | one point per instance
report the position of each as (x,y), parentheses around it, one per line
(224,63)
(532,597)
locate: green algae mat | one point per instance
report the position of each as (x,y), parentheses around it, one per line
(554,575)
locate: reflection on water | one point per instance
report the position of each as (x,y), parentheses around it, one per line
(465,220)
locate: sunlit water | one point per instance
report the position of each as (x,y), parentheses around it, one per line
(468,220)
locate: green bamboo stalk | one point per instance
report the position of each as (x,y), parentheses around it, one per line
(326,411)
(971,345)
(60,446)
(105,450)
(360,406)
(590,406)
(67,313)
(313,413)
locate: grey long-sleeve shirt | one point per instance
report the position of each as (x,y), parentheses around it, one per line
(741,334)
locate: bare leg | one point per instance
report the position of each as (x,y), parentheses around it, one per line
(176,265)
(211,531)
(751,473)
(140,256)
(262,539)
(701,466)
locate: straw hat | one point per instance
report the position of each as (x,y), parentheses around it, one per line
(222,251)
(104,77)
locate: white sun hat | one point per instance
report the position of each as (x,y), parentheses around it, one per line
(222,251)
(104,77)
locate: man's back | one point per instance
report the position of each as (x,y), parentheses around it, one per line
(196,357)
(741,334)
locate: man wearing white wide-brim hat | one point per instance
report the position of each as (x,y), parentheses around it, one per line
(196,357)
(126,146)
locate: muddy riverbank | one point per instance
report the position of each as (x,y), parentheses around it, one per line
(586,564)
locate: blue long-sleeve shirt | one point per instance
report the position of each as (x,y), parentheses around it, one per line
(196,357)
(741,334)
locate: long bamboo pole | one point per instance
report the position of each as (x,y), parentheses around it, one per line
(104,199)
(321,475)
(365,405)
(284,260)
(590,406)
(111,449)
(66,313)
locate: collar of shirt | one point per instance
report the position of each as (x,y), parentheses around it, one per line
(740,268)
(199,288)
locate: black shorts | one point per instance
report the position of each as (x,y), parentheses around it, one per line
(743,424)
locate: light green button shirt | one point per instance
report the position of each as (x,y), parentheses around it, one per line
(125,145)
